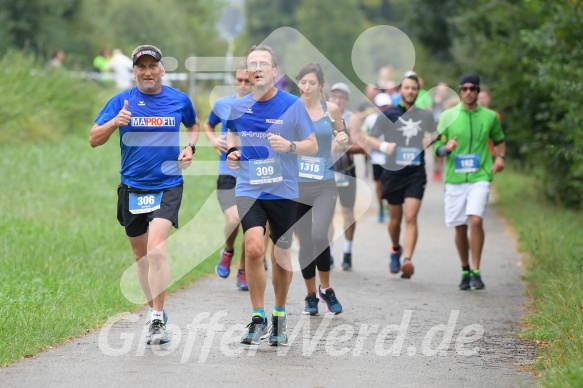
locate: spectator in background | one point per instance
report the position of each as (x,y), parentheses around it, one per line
(101,65)
(56,59)
(122,68)
(393,91)
(439,105)
(384,78)
(485,99)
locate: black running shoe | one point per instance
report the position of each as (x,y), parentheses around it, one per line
(476,282)
(347,262)
(465,283)
(278,332)
(257,329)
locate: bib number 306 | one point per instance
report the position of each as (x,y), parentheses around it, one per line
(145,203)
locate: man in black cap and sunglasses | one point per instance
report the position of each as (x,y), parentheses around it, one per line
(465,132)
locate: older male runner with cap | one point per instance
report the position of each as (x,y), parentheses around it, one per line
(148,117)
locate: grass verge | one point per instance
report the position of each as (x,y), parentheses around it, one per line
(63,253)
(552,237)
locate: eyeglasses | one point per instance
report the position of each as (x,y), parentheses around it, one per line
(470,88)
(263,65)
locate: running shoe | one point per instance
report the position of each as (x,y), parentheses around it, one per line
(278,331)
(476,282)
(395,264)
(347,262)
(311,305)
(256,332)
(465,283)
(157,334)
(242,281)
(407,269)
(165,317)
(381,218)
(223,268)
(332,304)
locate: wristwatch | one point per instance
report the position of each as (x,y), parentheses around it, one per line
(192,146)
(502,156)
(292,146)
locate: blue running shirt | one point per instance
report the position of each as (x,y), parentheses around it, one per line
(150,144)
(325,137)
(284,114)
(220,114)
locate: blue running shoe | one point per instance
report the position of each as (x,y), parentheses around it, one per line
(329,298)
(381,218)
(242,281)
(257,331)
(278,332)
(311,305)
(395,264)
(223,268)
(157,334)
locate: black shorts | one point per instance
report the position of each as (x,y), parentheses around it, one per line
(396,187)
(347,194)
(281,214)
(226,191)
(377,171)
(137,224)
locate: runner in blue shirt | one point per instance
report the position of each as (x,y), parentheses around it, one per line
(228,177)
(148,117)
(267,129)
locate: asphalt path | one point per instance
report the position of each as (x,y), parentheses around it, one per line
(393,331)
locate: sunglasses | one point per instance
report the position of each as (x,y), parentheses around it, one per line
(470,88)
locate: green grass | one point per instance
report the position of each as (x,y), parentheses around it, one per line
(552,237)
(62,250)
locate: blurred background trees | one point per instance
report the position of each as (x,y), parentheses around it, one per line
(528,52)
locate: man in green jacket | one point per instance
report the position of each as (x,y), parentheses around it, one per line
(465,130)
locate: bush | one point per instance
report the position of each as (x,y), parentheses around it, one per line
(40,103)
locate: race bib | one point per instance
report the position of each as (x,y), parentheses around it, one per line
(311,167)
(265,171)
(467,162)
(342,180)
(145,203)
(408,156)
(379,158)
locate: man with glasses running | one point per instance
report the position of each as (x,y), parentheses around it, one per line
(267,129)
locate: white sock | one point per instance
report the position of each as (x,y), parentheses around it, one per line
(347,246)
(159,315)
(323,290)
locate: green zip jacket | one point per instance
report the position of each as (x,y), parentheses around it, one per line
(470,161)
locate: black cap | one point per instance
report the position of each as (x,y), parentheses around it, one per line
(471,78)
(151,52)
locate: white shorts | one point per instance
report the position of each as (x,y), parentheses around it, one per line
(464,200)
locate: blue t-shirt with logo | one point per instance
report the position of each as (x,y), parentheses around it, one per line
(150,144)
(324,135)
(220,114)
(285,115)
